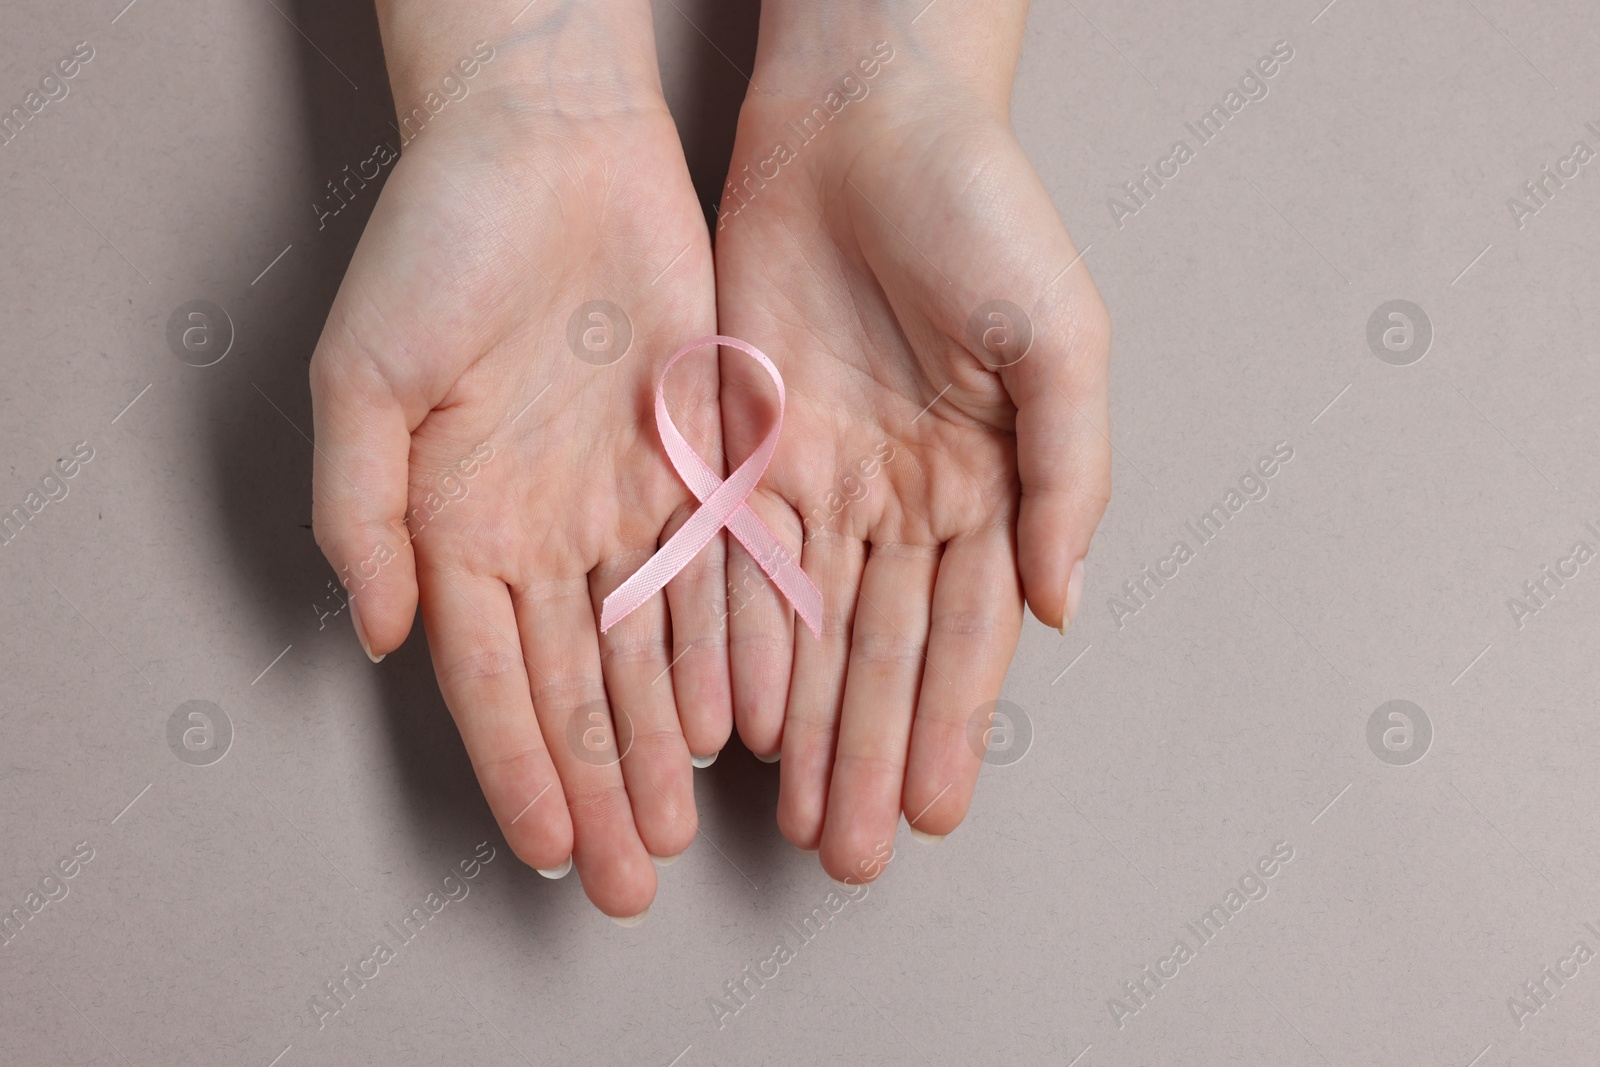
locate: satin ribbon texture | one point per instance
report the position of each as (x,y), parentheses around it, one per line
(722,503)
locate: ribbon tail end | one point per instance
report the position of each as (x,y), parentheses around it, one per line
(808,605)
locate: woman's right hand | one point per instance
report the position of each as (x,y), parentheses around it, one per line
(470,381)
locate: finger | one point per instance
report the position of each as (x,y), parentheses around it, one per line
(887,656)
(476,655)
(973,631)
(816,690)
(697,600)
(560,639)
(761,634)
(638,677)
(1063,443)
(359,490)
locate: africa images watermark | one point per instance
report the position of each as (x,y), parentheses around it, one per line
(852,488)
(1538,591)
(1537,193)
(199,732)
(851,89)
(741,990)
(383,154)
(340,990)
(1538,991)
(53,88)
(1252,87)
(1254,486)
(1399,732)
(452,87)
(52,489)
(52,889)
(455,86)
(1251,886)
(450,487)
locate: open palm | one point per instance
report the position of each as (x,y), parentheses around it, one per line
(485,441)
(943,457)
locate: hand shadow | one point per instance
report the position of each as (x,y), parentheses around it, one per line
(259,404)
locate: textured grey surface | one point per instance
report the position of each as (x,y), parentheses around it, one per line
(1173,747)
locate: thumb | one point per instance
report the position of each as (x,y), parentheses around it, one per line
(1063,443)
(360,491)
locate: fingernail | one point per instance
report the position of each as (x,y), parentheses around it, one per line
(774,758)
(924,836)
(632,920)
(665,861)
(1074,595)
(361,632)
(702,762)
(556,872)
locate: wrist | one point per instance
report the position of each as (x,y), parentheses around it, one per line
(965,48)
(592,57)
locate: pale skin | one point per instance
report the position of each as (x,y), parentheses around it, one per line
(560,180)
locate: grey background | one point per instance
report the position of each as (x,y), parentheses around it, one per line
(1169,754)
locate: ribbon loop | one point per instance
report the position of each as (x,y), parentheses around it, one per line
(722,503)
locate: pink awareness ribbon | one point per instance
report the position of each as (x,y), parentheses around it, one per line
(722,503)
